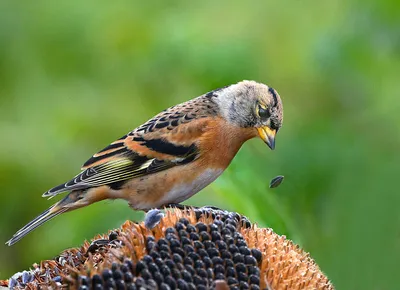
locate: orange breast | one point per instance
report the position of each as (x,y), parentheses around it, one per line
(218,144)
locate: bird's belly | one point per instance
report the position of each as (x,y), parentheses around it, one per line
(184,190)
(162,194)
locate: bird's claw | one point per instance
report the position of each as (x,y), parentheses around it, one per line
(186,207)
(178,206)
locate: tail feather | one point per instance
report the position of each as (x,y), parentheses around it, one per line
(45,216)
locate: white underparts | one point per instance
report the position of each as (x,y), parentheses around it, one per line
(183,191)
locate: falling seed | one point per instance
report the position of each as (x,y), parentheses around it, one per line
(276,181)
(153,218)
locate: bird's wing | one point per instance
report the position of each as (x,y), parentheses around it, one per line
(167,140)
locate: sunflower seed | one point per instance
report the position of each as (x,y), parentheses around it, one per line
(152,218)
(276,181)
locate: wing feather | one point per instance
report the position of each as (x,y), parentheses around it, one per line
(124,166)
(152,147)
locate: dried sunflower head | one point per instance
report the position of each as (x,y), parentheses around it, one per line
(193,249)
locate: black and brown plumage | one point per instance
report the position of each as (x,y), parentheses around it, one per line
(173,155)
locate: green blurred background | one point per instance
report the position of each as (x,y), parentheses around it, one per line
(76,75)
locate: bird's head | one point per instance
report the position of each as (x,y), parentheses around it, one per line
(252,105)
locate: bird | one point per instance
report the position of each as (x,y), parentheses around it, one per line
(173,155)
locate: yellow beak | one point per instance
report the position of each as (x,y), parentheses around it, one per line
(268,135)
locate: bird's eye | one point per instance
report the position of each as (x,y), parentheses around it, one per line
(263,112)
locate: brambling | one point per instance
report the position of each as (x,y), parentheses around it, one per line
(173,155)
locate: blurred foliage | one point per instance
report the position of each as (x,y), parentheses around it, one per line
(76,75)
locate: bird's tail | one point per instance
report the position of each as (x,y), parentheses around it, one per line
(38,221)
(70,202)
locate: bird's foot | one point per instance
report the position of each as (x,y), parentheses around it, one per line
(211,207)
(178,206)
(154,216)
(186,207)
